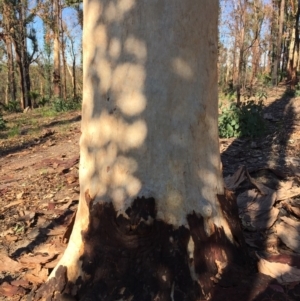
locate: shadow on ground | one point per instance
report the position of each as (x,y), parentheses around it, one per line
(24,141)
(267,159)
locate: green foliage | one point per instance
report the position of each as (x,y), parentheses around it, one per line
(229,91)
(13,106)
(289,92)
(265,79)
(262,94)
(297,90)
(2,123)
(243,121)
(41,102)
(61,105)
(14,131)
(229,121)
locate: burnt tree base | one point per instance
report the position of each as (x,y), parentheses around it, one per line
(138,260)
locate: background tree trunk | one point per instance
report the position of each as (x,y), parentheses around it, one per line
(294,48)
(56,50)
(153,220)
(11,70)
(278,51)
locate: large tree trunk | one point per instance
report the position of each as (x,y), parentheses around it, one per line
(153,221)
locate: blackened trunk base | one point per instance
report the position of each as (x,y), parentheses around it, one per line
(144,259)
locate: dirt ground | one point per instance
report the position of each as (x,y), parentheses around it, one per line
(39,190)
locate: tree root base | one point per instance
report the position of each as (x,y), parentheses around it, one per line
(142,258)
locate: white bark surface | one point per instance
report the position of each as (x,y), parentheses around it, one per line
(149,120)
(150,105)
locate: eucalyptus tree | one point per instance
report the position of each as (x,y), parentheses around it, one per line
(154,221)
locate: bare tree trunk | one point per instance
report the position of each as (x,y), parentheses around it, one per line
(294,50)
(255,61)
(56,49)
(11,82)
(228,69)
(11,70)
(278,50)
(23,56)
(269,58)
(242,25)
(154,221)
(73,76)
(63,54)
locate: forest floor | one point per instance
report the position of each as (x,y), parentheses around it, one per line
(39,193)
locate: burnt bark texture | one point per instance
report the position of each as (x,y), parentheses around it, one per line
(142,258)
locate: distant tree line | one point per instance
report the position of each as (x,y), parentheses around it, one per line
(33,74)
(259,43)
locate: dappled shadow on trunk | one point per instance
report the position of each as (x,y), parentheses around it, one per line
(268,160)
(159,226)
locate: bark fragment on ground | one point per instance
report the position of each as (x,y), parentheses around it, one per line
(270,218)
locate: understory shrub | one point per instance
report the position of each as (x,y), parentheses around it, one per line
(2,123)
(61,105)
(13,106)
(245,120)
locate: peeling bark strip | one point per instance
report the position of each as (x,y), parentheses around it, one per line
(141,258)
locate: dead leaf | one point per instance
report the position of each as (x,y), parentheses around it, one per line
(288,231)
(20,282)
(286,185)
(295,169)
(11,204)
(264,190)
(9,290)
(67,205)
(283,193)
(11,237)
(52,264)
(51,249)
(29,215)
(292,209)
(19,195)
(232,182)
(56,231)
(283,272)
(31,261)
(277,288)
(256,210)
(51,205)
(72,179)
(7,232)
(260,219)
(32,278)
(245,198)
(9,265)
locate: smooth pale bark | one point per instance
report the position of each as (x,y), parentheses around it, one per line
(150,108)
(149,131)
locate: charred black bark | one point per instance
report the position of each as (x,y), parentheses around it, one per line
(140,258)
